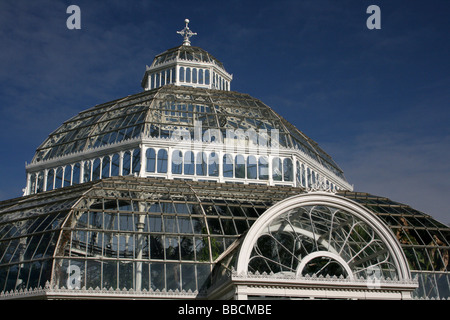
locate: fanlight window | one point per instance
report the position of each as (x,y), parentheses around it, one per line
(321,240)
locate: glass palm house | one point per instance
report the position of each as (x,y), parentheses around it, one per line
(188,190)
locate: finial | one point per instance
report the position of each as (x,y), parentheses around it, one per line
(186,33)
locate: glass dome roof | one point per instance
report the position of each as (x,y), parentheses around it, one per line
(162,112)
(187,53)
(155,235)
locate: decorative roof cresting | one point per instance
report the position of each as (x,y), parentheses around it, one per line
(187,33)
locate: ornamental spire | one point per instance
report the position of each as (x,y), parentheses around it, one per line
(186,33)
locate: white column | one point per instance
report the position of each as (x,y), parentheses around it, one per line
(143,160)
(169,163)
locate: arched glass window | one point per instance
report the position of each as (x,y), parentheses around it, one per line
(136,165)
(106,166)
(194,75)
(252,168)
(76,173)
(287,169)
(189,163)
(153,81)
(200,76)
(87,171)
(177,162)
(162,161)
(50,179)
(163,77)
(263,168)
(228,166)
(115,165)
(239,166)
(59,178)
(33,183)
(67,176)
(126,168)
(207,79)
(313,178)
(151,160)
(158,80)
(40,182)
(298,174)
(321,240)
(174,76)
(213,164)
(181,75)
(188,75)
(277,169)
(200,164)
(303,173)
(96,169)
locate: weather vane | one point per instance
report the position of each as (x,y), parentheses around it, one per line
(186,33)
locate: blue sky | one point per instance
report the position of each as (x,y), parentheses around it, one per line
(376,100)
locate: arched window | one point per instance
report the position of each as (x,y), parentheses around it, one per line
(348,241)
(239,166)
(263,168)
(298,174)
(136,165)
(115,165)
(106,167)
(287,169)
(96,169)
(40,182)
(158,80)
(59,178)
(87,171)
(162,161)
(303,173)
(228,166)
(177,162)
(50,179)
(213,164)
(200,76)
(76,173)
(151,160)
(188,75)
(181,75)
(67,176)
(207,77)
(194,75)
(126,168)
(33,182)
(163,77)
(200,164)
(174,76)
(189,163)
(252,168)
(277,169)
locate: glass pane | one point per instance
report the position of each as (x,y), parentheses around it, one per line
(287,170)
(106,165)
(151,160)
(240,166)
(213,165)
(137,160)
(177,162)
(189,165)
(251,167)
(162,161)
(277,169)
(228,166)
(201,164)
(126,163)
(263,168)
